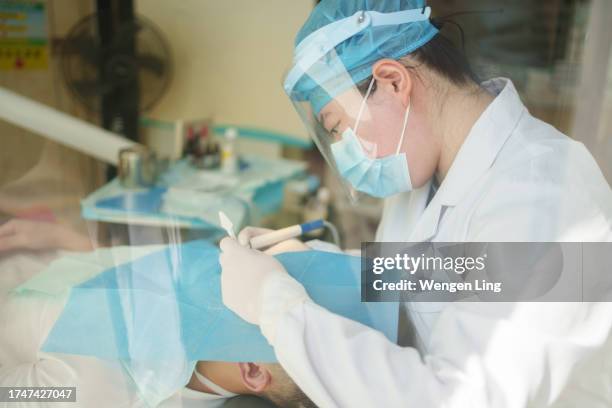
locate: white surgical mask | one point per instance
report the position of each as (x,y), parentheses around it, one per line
(378,177)
(216,388)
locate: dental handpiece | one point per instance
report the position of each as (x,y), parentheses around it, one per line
(274,237)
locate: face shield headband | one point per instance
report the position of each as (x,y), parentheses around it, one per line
(321,42)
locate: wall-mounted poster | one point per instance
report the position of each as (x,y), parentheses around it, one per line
(23,36)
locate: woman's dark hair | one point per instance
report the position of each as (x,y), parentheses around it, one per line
(442,56)
(446,59)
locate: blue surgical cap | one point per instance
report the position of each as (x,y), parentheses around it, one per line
(359,52)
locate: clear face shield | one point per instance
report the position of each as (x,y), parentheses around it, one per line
(328,123)
(333,96)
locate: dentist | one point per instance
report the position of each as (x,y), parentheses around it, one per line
(397,114)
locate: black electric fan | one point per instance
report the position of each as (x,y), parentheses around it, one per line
(118,69)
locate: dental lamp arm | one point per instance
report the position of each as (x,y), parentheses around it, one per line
(61,127)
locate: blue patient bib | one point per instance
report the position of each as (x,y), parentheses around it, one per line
(161,313)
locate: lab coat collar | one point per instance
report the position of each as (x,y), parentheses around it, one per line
(484,142)
(476,155)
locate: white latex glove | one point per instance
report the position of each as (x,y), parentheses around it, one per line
(290,245)
(244,236)
(256,286)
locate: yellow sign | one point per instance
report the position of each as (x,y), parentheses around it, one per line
(23,36)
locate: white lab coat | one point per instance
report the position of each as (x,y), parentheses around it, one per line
(25,322)
(514,179)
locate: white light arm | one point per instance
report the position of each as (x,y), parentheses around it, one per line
(61,127)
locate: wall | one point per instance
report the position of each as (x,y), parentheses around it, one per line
(37,174)
(229,57)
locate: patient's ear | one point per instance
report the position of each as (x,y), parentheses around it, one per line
(255,377)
